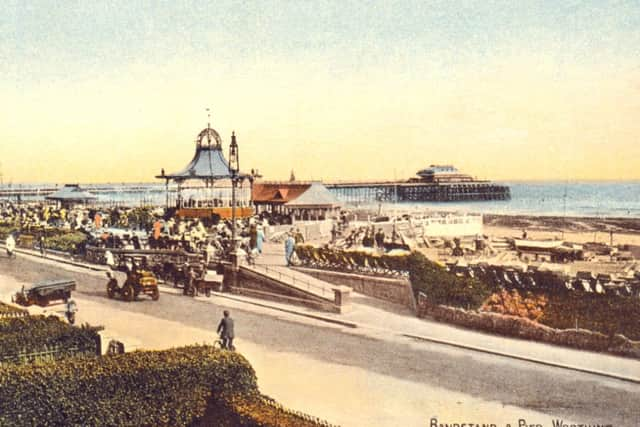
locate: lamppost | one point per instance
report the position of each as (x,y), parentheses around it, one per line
(234,167)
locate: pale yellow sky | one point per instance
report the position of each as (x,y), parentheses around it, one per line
(520,112)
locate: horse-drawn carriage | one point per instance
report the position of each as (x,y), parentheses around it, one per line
(193,278)
(182,269)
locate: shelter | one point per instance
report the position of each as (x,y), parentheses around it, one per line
(204,184)
(552,250)
(71,194)
(300,200)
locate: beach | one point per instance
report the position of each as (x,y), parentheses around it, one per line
(626,231)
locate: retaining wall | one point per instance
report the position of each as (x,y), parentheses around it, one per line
(389,289)
(528,329)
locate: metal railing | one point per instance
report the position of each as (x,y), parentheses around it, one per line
(297,282)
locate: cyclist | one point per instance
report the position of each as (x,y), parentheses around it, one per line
(225,330)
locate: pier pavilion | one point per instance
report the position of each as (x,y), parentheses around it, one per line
(205,184)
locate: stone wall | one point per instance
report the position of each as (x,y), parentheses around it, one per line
(528,329)
(388,289)
(311,230)
(260,286)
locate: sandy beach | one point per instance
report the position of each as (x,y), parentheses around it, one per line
(626,231)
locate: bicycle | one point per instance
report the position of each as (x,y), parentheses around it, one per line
(220,345)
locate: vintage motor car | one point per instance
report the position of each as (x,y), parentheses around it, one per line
(42,293)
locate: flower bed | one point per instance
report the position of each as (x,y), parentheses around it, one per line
(530,306)
(36,338)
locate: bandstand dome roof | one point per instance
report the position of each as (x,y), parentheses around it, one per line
(208,162)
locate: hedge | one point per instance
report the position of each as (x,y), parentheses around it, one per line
(66,242)
(23,338)
(443,287)
(608,314)
(194,386)
(6,229)
(152,388)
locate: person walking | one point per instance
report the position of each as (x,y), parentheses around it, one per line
(41,241)
(10,244)
(71,310)
(379,238)
(253,236)
(289,248)
(226,332)
(260,238)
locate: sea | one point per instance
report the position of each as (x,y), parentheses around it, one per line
(577,199)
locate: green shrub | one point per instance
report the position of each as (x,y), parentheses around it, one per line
(32,335)
(608,314)
(67,242)
(152,388)
(5,229)
(442,287)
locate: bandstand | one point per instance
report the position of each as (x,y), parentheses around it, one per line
(210,185)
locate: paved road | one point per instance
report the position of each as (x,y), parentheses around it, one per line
(347,378)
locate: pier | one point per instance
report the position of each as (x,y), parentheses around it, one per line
(403,191)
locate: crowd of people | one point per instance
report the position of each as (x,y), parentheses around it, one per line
(138,228)
(368,237)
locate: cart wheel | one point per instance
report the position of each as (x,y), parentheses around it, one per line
(111,289)
(127,292)
(155,295)
(207,292)
(191,291)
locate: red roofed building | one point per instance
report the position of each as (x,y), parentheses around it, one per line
(301,200)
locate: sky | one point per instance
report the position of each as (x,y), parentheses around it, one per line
(336,90)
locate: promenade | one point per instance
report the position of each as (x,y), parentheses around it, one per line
(380,319)
(315,361)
